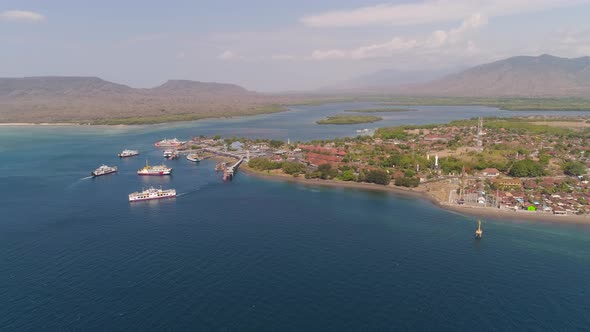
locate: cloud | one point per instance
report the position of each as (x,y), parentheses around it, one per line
(429,11)
(229,55)
(21,16)
(438,40)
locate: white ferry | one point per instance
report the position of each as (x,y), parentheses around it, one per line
(193,157)
(154,170)
(152,193)
(128,153)
(104,170)
(169,143)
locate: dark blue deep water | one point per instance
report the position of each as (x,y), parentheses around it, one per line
(259,255)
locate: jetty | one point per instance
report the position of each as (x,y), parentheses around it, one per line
(228,173)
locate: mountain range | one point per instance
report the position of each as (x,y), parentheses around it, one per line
(91,99)
(520,76)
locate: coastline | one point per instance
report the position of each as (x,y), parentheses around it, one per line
(482,212)
(30,124)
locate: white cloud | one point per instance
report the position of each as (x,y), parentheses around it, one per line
(21,16)
(229,55)
(430,11)
(437,40)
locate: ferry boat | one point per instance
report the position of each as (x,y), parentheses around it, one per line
(152,193)
(128,153)
(154,170)
(193,157)
(104,170)
(169,143)
(170,154)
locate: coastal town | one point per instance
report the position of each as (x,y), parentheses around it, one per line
(535,166)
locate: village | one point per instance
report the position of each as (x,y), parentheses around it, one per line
(524,165)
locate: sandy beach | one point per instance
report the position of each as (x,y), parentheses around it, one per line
(482,212)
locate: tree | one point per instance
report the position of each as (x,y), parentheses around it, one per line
(526,168)
(275,144)
(574,168)
(407,182)
(293,168)
(378,176)
(326,171)
(347,175)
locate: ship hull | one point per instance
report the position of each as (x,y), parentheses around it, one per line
(127,155)
(154,174)
(106,173)
(150,198)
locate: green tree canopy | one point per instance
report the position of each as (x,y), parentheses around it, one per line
(526,168)
(574,168)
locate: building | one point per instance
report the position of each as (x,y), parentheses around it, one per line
(490,172)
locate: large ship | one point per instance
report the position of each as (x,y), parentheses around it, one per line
(169,143)
(154,170)
(104,170)
(193,157)
(128,153)
(152,193)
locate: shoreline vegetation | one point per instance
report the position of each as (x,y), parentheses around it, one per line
(381,110)
(349,119)
(483,212)
(510,104)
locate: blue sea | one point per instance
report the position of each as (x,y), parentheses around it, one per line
(260,255)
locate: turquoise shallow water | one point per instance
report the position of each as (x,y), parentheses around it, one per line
(255,254)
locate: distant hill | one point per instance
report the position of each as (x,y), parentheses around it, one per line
(58,86)
(91,99)
(521,76)
(386,79)
(194,87)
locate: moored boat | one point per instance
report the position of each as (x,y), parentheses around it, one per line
(169,143)
(128,153)
(193,157)
(154,170)
(152,193)
(170,154)
(104,170)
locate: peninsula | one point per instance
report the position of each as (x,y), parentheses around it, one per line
(532,167)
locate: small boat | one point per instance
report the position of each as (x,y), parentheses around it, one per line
(152,193)
(478,232)
(104,170)
(193,157)
(128,153)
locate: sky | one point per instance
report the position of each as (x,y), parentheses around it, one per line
(274,45)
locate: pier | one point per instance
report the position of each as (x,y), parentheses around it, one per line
(229,171)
